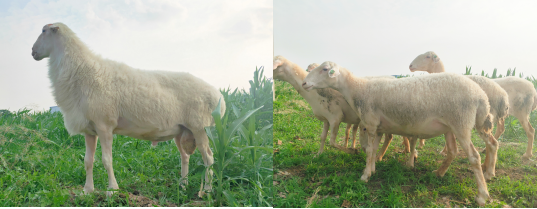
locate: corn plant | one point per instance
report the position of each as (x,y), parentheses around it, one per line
(222,150)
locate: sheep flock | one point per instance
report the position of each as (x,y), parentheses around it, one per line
(416,108)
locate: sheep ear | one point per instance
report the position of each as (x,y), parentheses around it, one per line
(311,67)
(436,58)
(276,64)
(54,29)
(334,72)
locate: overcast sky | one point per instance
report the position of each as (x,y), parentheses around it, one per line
(383,37)
(219,41)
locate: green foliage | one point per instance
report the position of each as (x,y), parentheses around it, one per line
(41,165)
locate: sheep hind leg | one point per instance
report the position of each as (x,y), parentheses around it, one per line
(89,159)
(406,145)
(500,128)
(202,142)
(354,130)
(451,152)
(475,161)
(422,143)
(347,134)
(326,126)
(530,133)
(387,140)
(106,138)
(491,150)
(186,145)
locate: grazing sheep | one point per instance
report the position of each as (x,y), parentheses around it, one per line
(417,107)
(101,97)
(520,93)
(328,105)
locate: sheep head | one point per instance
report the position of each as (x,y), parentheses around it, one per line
(323,76)
(45,42)
(312,66)
(425,62)
(279,65)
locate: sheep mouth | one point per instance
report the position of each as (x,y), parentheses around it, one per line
(307,88)
(36,57)
(412,69)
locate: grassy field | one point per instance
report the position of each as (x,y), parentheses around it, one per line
(333,178)
(41,165)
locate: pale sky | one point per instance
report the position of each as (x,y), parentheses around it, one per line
(383,37)
(221,42)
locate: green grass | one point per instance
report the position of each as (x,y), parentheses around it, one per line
(333,178)
(41,165)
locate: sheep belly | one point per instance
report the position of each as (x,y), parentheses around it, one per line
(128,128)
(429,128)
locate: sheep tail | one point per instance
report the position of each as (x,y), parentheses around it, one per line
(483,118)
(503,110)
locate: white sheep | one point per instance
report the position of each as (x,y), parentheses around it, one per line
(522,96)
(101,97)
(327,105)
(349,125)
(423,106)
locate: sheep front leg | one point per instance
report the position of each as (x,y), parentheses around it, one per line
(91,145)
(106,138)
(202,142)
(413,152)
(370,153)
(334,126)
(326,125)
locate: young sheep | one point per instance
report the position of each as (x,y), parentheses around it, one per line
(423,106)
(101,97)
(327,105)
(520,93)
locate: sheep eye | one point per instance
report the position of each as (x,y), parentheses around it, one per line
(428,57)
(325,69)
(43,31)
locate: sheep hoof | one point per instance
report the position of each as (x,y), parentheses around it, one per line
(437,173)
(87,191)
(364,178)
(110,193)
(527,157)
(184,183)
(481,200)
(488,175)
(201,194)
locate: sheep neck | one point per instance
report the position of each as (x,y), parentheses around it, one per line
(296,79)
(350,86)
(71,66)
(437,67)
